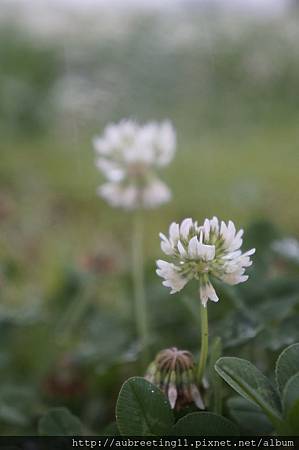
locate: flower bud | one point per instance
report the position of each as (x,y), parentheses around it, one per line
(173,371)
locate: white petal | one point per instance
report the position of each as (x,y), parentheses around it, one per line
(110,169)
(172,396)
(243,278)
(185,228)
(232,255)
(206,229)
(207,292)
(162,264)
(163,237)
(174,233)
(203,295)
(119,196)
(228,233)
(101,146)
(215,224)
(170,273)
(192,248)
(182,250)
(165,143)
(212,293)
(231,229)
(250,252)
(223,230)
(155,193)
(205,252)
(197,398)
(167,248)
(236,241)
(176,282)
(129,198)
(234,278)
(112,135)
(111,192)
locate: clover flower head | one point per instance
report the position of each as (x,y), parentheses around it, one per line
(173,371)
(129,156)
(203,252)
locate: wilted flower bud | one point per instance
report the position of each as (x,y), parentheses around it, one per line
(173,371)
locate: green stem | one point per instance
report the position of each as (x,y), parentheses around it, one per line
(204,343)
(138,283)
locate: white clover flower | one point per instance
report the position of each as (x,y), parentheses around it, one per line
(203,252)
(129,155)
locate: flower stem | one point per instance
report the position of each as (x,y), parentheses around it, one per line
(138,284)
(204,343)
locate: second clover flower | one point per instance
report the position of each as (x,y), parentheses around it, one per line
(203,252)
(129,156)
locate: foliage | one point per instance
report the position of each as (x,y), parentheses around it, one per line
(249,382)
(68,338)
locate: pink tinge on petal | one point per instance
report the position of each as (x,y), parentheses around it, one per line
(172,396)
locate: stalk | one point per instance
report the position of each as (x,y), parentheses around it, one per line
(138,285)
(204,343)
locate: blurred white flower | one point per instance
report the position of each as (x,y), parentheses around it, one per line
(202,252)
(287,248)
(129,155)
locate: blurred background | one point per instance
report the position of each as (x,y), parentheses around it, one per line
(226,73)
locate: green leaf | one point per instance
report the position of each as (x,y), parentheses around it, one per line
(251,384)
(142,409)
(248,416)
(110,430)
(293,418)
(287,365)
(204,424)
(238,328)
(9,414)
(290,401)
(59,422)
(17,404)
(291,392)
(215,402)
